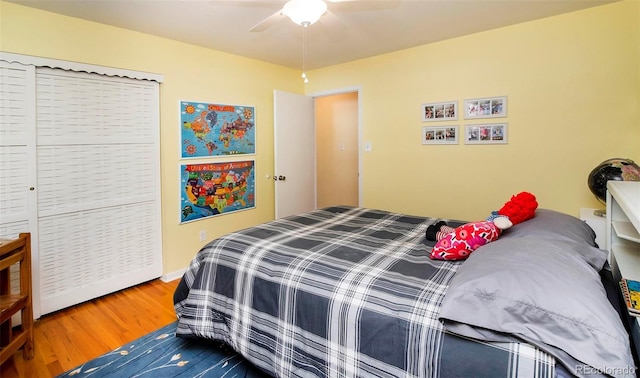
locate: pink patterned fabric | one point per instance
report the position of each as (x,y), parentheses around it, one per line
(465,239)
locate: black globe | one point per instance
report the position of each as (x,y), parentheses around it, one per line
(612,169)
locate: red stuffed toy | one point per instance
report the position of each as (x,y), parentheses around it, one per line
(458,243)
(520,208)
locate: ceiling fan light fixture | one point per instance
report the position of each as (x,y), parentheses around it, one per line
(304,12)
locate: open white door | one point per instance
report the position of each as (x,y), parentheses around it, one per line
(294,153)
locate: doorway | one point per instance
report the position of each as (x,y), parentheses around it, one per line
(296,163)
(337,152)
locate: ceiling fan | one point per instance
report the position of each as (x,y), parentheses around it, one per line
(304,13)
(301,12)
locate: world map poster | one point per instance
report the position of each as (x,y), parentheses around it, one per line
(211,189)
(217,130)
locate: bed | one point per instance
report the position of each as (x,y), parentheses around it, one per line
(351,292)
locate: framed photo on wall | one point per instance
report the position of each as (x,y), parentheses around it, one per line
(494,133)
(490,107)
(440,134)
(440,111)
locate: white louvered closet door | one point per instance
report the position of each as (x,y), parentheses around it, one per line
(17,152)
(16,147)
(79,169)
(98,185)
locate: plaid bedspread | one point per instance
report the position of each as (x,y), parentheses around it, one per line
(338,292)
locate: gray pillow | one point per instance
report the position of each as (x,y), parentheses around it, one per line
(563,228)
(542,292)
(546,224)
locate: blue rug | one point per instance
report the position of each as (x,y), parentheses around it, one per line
(162,354)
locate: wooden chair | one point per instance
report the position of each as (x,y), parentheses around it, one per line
(17,251)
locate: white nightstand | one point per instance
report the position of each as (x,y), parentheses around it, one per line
(598,224)
(623,239)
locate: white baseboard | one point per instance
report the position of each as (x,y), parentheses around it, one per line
(173,275)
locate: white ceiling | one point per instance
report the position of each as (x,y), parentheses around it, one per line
(352,30)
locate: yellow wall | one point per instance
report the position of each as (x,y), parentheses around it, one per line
(573,90)
(573,84)
(190,73)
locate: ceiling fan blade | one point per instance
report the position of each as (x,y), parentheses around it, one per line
(333,25)
(267,22)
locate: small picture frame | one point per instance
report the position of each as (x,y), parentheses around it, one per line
(490,107)
(440,111)
(494,133)
(440,134)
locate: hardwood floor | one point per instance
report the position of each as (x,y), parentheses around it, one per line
(70,337)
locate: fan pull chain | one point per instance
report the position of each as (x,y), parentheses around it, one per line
(304,52)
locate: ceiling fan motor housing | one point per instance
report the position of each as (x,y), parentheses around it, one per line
(304,12)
